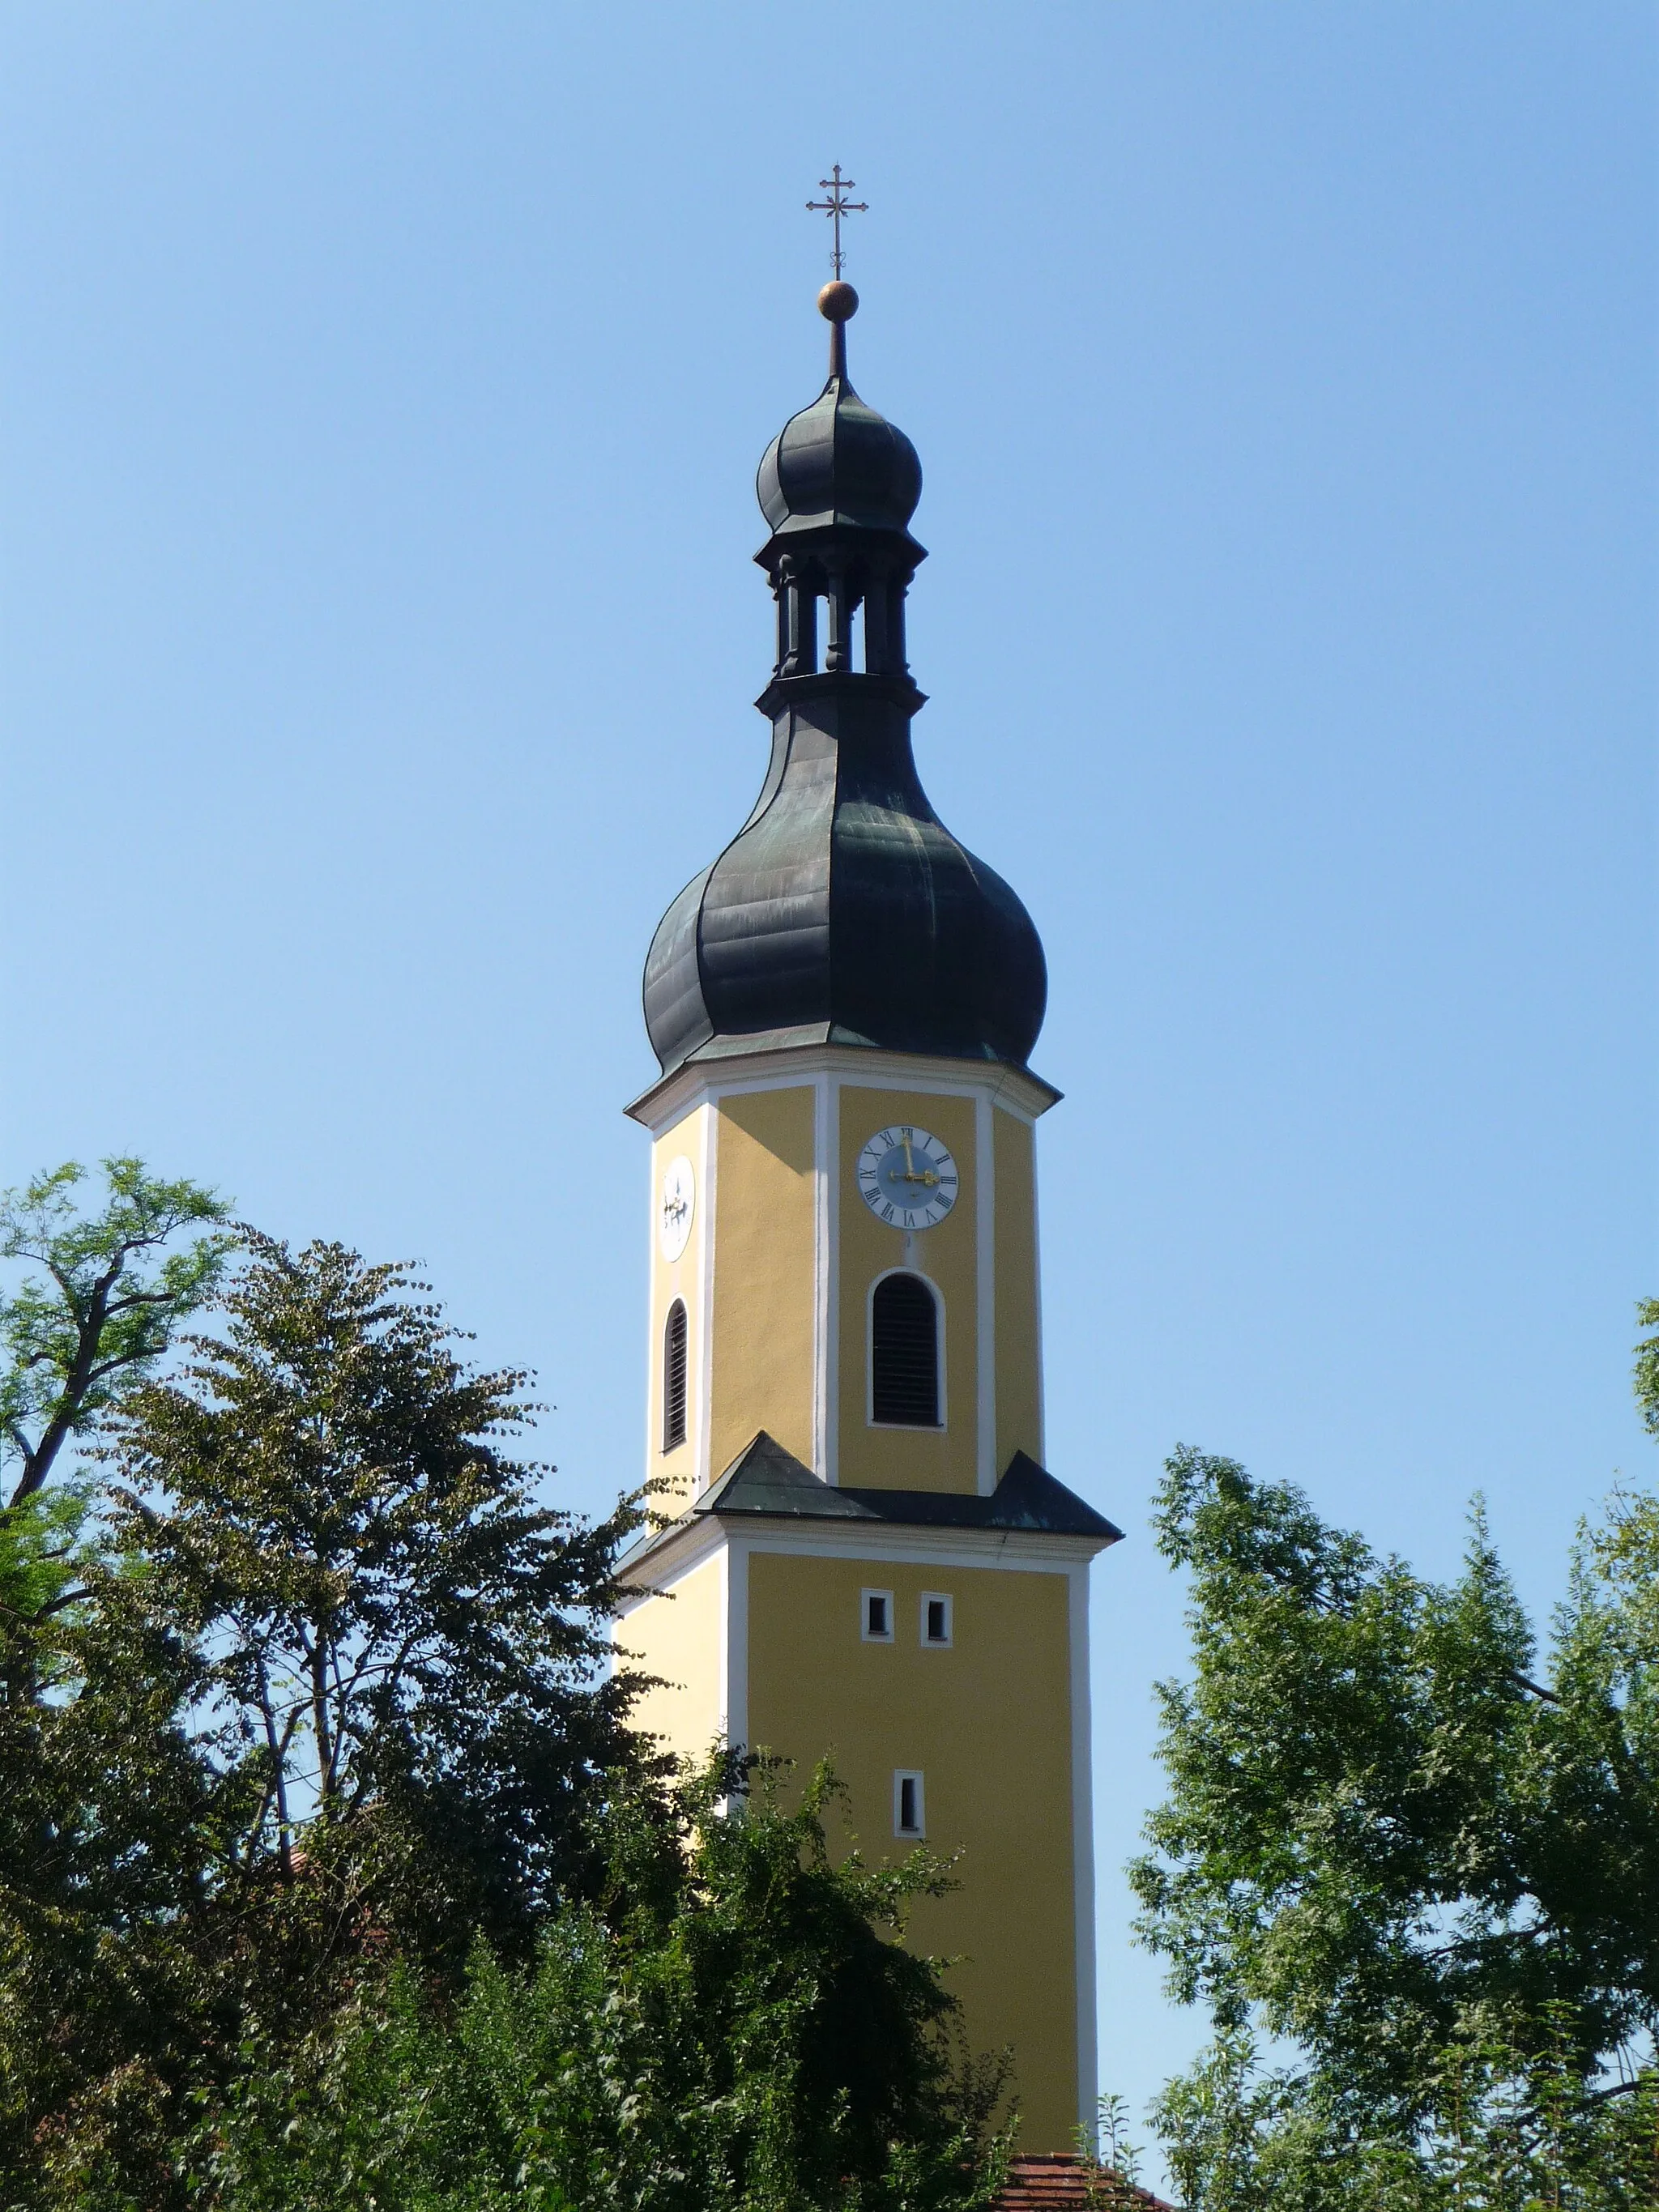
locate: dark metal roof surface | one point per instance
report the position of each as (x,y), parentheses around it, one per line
(767,1480)
(838,464)
(844,908)
(845,901)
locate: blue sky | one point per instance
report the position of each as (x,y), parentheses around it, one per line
(382,391)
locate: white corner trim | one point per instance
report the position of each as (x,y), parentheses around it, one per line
(702,1474)
(827,1148)
(1083,1847)
(652,1376)
(723,1654)
(1037,1297)
(985,1294)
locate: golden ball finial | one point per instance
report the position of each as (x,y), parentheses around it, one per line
(838,302)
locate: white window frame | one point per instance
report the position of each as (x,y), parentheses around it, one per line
(905,1428)
(866,1634)
(936,1643)
(901,1776)
(667,1449)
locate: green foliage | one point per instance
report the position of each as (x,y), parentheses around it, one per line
(1112,2174)
(41,1554)
(401,1649)
(330,1873)
(1423,1862)
(115,1976)
(1111,2143)
(726,2030)
(100,1303)
(335,1691)
(1507,2135)
(1646,1377)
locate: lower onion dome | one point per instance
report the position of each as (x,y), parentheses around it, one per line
(845,912)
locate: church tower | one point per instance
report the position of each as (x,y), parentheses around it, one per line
(866,1556)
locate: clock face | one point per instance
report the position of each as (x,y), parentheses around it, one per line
(676,1207)
(907,1178)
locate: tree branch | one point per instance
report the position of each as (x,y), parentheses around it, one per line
(1535,1689)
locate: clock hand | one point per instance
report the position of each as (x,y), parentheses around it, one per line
(910,1164)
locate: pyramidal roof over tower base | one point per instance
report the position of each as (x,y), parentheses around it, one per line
(843,911)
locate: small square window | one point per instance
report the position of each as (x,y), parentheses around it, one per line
(876,1616)
(909,1809)
(937,1625)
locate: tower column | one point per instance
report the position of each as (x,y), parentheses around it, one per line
(781,589)
(896,588)
(800,624)
(836,655)
(877,649)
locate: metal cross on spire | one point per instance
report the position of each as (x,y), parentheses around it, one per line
(837,205)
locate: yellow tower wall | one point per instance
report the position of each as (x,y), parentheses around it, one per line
(759,1639)
(765,1300)
(678,1635)
(778,1273)
(909,1459)
(1018,1415)
(988,1723)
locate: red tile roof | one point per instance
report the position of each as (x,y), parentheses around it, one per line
(1072,2185)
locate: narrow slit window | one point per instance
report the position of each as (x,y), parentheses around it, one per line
(876,1616)
(673,1377)
(910,1813)
(904,1353)
(935,1622)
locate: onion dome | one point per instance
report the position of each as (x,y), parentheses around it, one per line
(843,912)
(838,464)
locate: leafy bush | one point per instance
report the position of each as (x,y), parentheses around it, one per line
(728,2030)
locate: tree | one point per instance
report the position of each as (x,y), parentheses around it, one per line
(104,1301)
(728,2028)
(98,1306)
(98,1797)
(337,1694)
(404,1653)
(1646,1376)
(1396,1841)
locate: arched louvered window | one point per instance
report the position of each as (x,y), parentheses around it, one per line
(673,1377)
(904,1353)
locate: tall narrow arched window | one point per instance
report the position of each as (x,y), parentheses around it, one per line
(904,1353)
(673,1377)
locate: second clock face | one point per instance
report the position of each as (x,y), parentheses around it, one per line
(675,1206)
(907,1178)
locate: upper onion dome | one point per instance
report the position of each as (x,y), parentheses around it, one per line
(838,464)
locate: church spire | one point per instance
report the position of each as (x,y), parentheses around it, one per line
(843,912)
